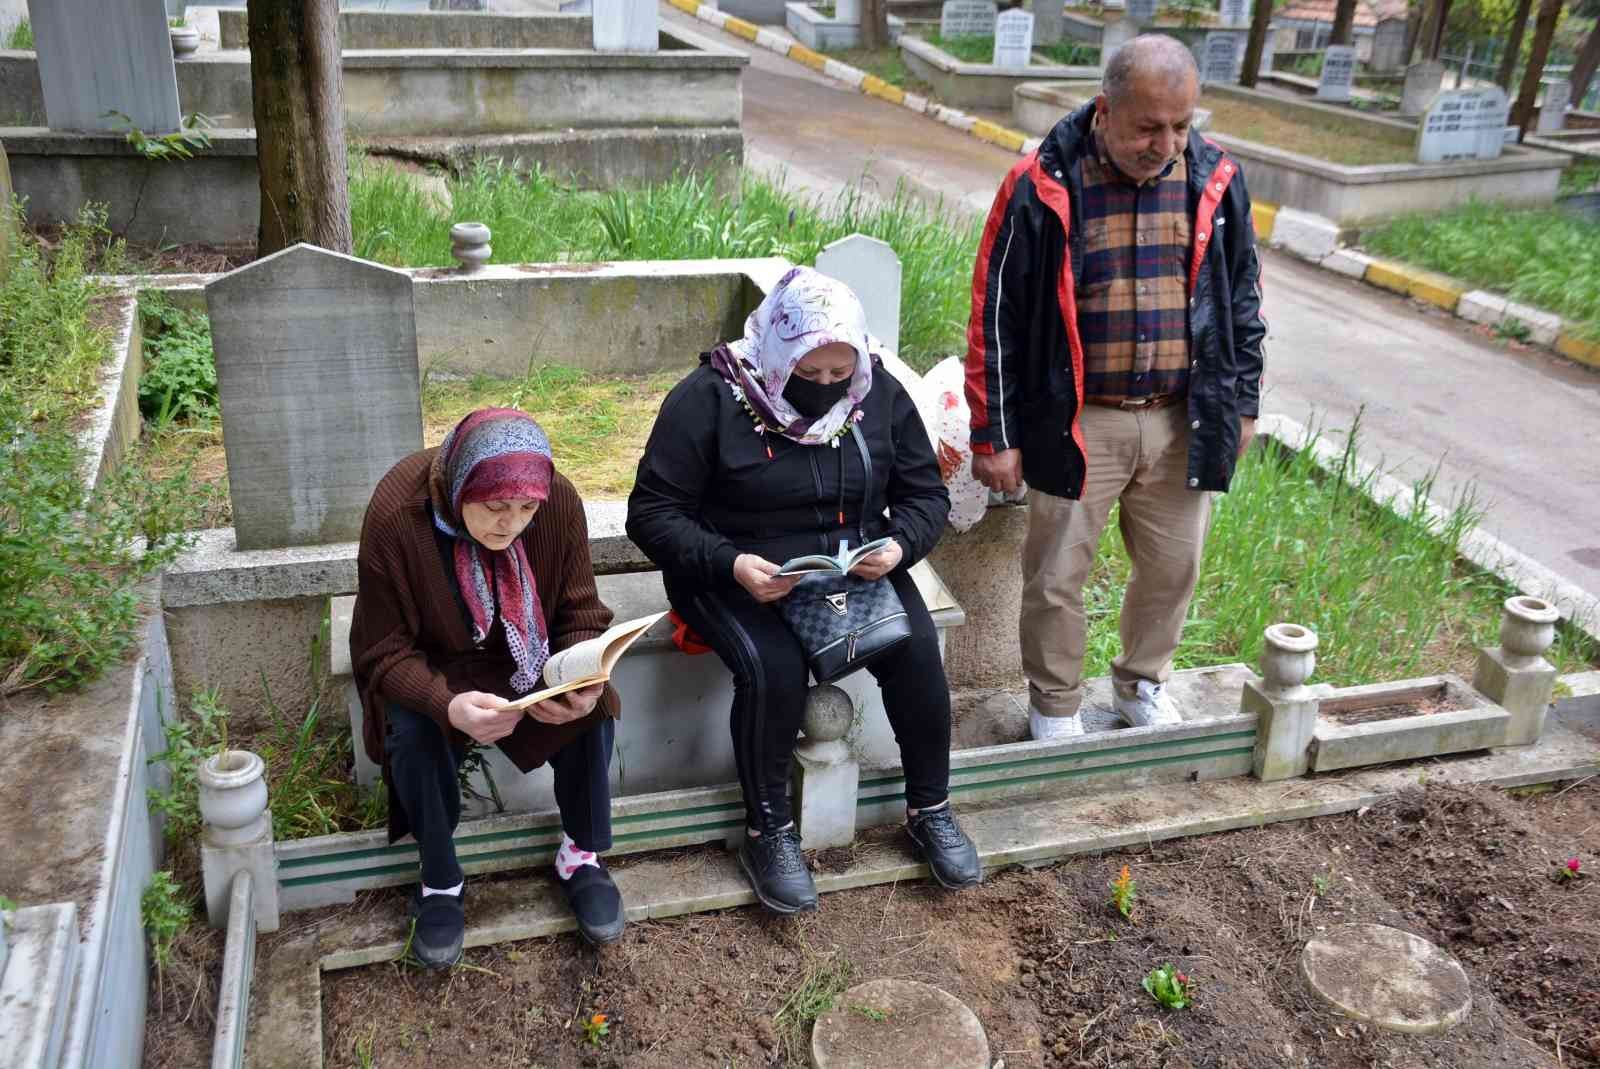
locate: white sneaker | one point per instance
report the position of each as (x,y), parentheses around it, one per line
(1151,705)
(1042,727)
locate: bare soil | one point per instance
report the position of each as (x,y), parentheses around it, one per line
(1050,968)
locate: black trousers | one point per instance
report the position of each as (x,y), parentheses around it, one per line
(770,680)
(422,768)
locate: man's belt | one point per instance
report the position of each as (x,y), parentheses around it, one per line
(1138,404)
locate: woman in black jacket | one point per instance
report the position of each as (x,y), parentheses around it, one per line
(752,462)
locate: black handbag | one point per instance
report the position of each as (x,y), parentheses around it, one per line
(845,622)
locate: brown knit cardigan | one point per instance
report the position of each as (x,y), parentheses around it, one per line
(409,641)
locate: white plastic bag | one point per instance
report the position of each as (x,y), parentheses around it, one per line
(949,428)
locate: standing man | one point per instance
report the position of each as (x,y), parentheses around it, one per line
(1114,355)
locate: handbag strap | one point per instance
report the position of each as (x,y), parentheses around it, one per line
(866,487)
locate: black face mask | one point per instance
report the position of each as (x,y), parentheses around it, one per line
(812,399)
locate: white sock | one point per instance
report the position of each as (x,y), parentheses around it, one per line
(569,859)
(426,890)
(930,808)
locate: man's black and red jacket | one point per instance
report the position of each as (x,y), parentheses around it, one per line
(1024,355)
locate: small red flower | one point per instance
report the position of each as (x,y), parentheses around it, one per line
(1573,865)
(1182,979)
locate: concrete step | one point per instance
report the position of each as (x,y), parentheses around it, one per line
(36,986)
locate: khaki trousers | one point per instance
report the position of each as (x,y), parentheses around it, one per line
(1139,458)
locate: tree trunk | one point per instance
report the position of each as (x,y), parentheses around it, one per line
(1344,23)
(1431,39)
(1544,30)
(1256,45)
(874,24)
(1583,69)
(1508,62)
(298,101)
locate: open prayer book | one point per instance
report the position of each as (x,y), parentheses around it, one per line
(838,564)
(591,661)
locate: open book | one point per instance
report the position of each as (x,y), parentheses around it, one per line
(838,564)
(590,661)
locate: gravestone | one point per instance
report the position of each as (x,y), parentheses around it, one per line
(1338,73)
(1423,82)
(1049,22)
(871,269)
(100,56)
(1234,13)
(847,11)
(967,18)
(1219,57)
(1553,111)
(1141,12)
(1013,38)
(317,377)
(1464,124)
(1388,46)
(1116,33)
(625,25)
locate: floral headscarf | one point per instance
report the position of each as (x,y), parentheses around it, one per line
(495,454)
(805,310)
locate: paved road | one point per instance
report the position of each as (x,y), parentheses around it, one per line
(1522,428)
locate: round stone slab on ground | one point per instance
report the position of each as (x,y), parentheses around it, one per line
(1387,977)
(898,1024)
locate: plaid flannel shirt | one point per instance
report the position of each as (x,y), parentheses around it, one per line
(1132,297)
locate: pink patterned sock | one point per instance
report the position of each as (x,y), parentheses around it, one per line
(570,859)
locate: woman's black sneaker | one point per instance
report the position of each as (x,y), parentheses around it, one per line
(949,853)
(439,926)
(596,903)
(777,870)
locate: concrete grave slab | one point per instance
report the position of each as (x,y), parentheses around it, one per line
(97,57)
(891,1023)
(1311,237)
(317,376)
(36,986)
(871,269)
(1383,976)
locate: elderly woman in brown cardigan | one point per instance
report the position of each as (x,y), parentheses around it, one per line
(473,568)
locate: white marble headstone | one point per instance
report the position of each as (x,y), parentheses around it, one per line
(625,25)
(1219,57)
(317,377)
(967,18)
(1013,38)
(1234,13)
(1553,111)
(1464,124)
(1142,12)
(102,56)
(1338,73)
(871,269)
(1048,21)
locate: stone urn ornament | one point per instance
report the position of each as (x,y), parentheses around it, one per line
(185,41)
(1528,627)
(1288,656)
(233,796)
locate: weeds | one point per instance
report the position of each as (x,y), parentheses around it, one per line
(1545,257)
(180,144)
(820,986)
(980,49)
(20,36)
(595,1027)
(179,384)
(535,219)
(189,742)
(165,914)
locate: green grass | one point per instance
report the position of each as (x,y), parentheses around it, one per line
(822,981)
(885,63)
(20,36)
(536,220)
(1543,257)
(1388,597)
(981,50)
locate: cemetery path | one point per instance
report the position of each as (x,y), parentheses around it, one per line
(1518,425)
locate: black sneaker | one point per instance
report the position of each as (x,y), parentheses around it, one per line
(777,870)
(595,902)
(949,853)
(439,928)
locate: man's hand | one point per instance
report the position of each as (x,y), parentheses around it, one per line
(760,577)
(482,717)
(880,563)
(565,708)
(1247,433)
(1000,472)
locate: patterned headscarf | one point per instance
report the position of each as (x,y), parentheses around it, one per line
(495,454)
(805,310)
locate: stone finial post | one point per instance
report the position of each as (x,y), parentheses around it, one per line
(828,777)
(1515,674)
(236,834)
(469,244)
(1285,708)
